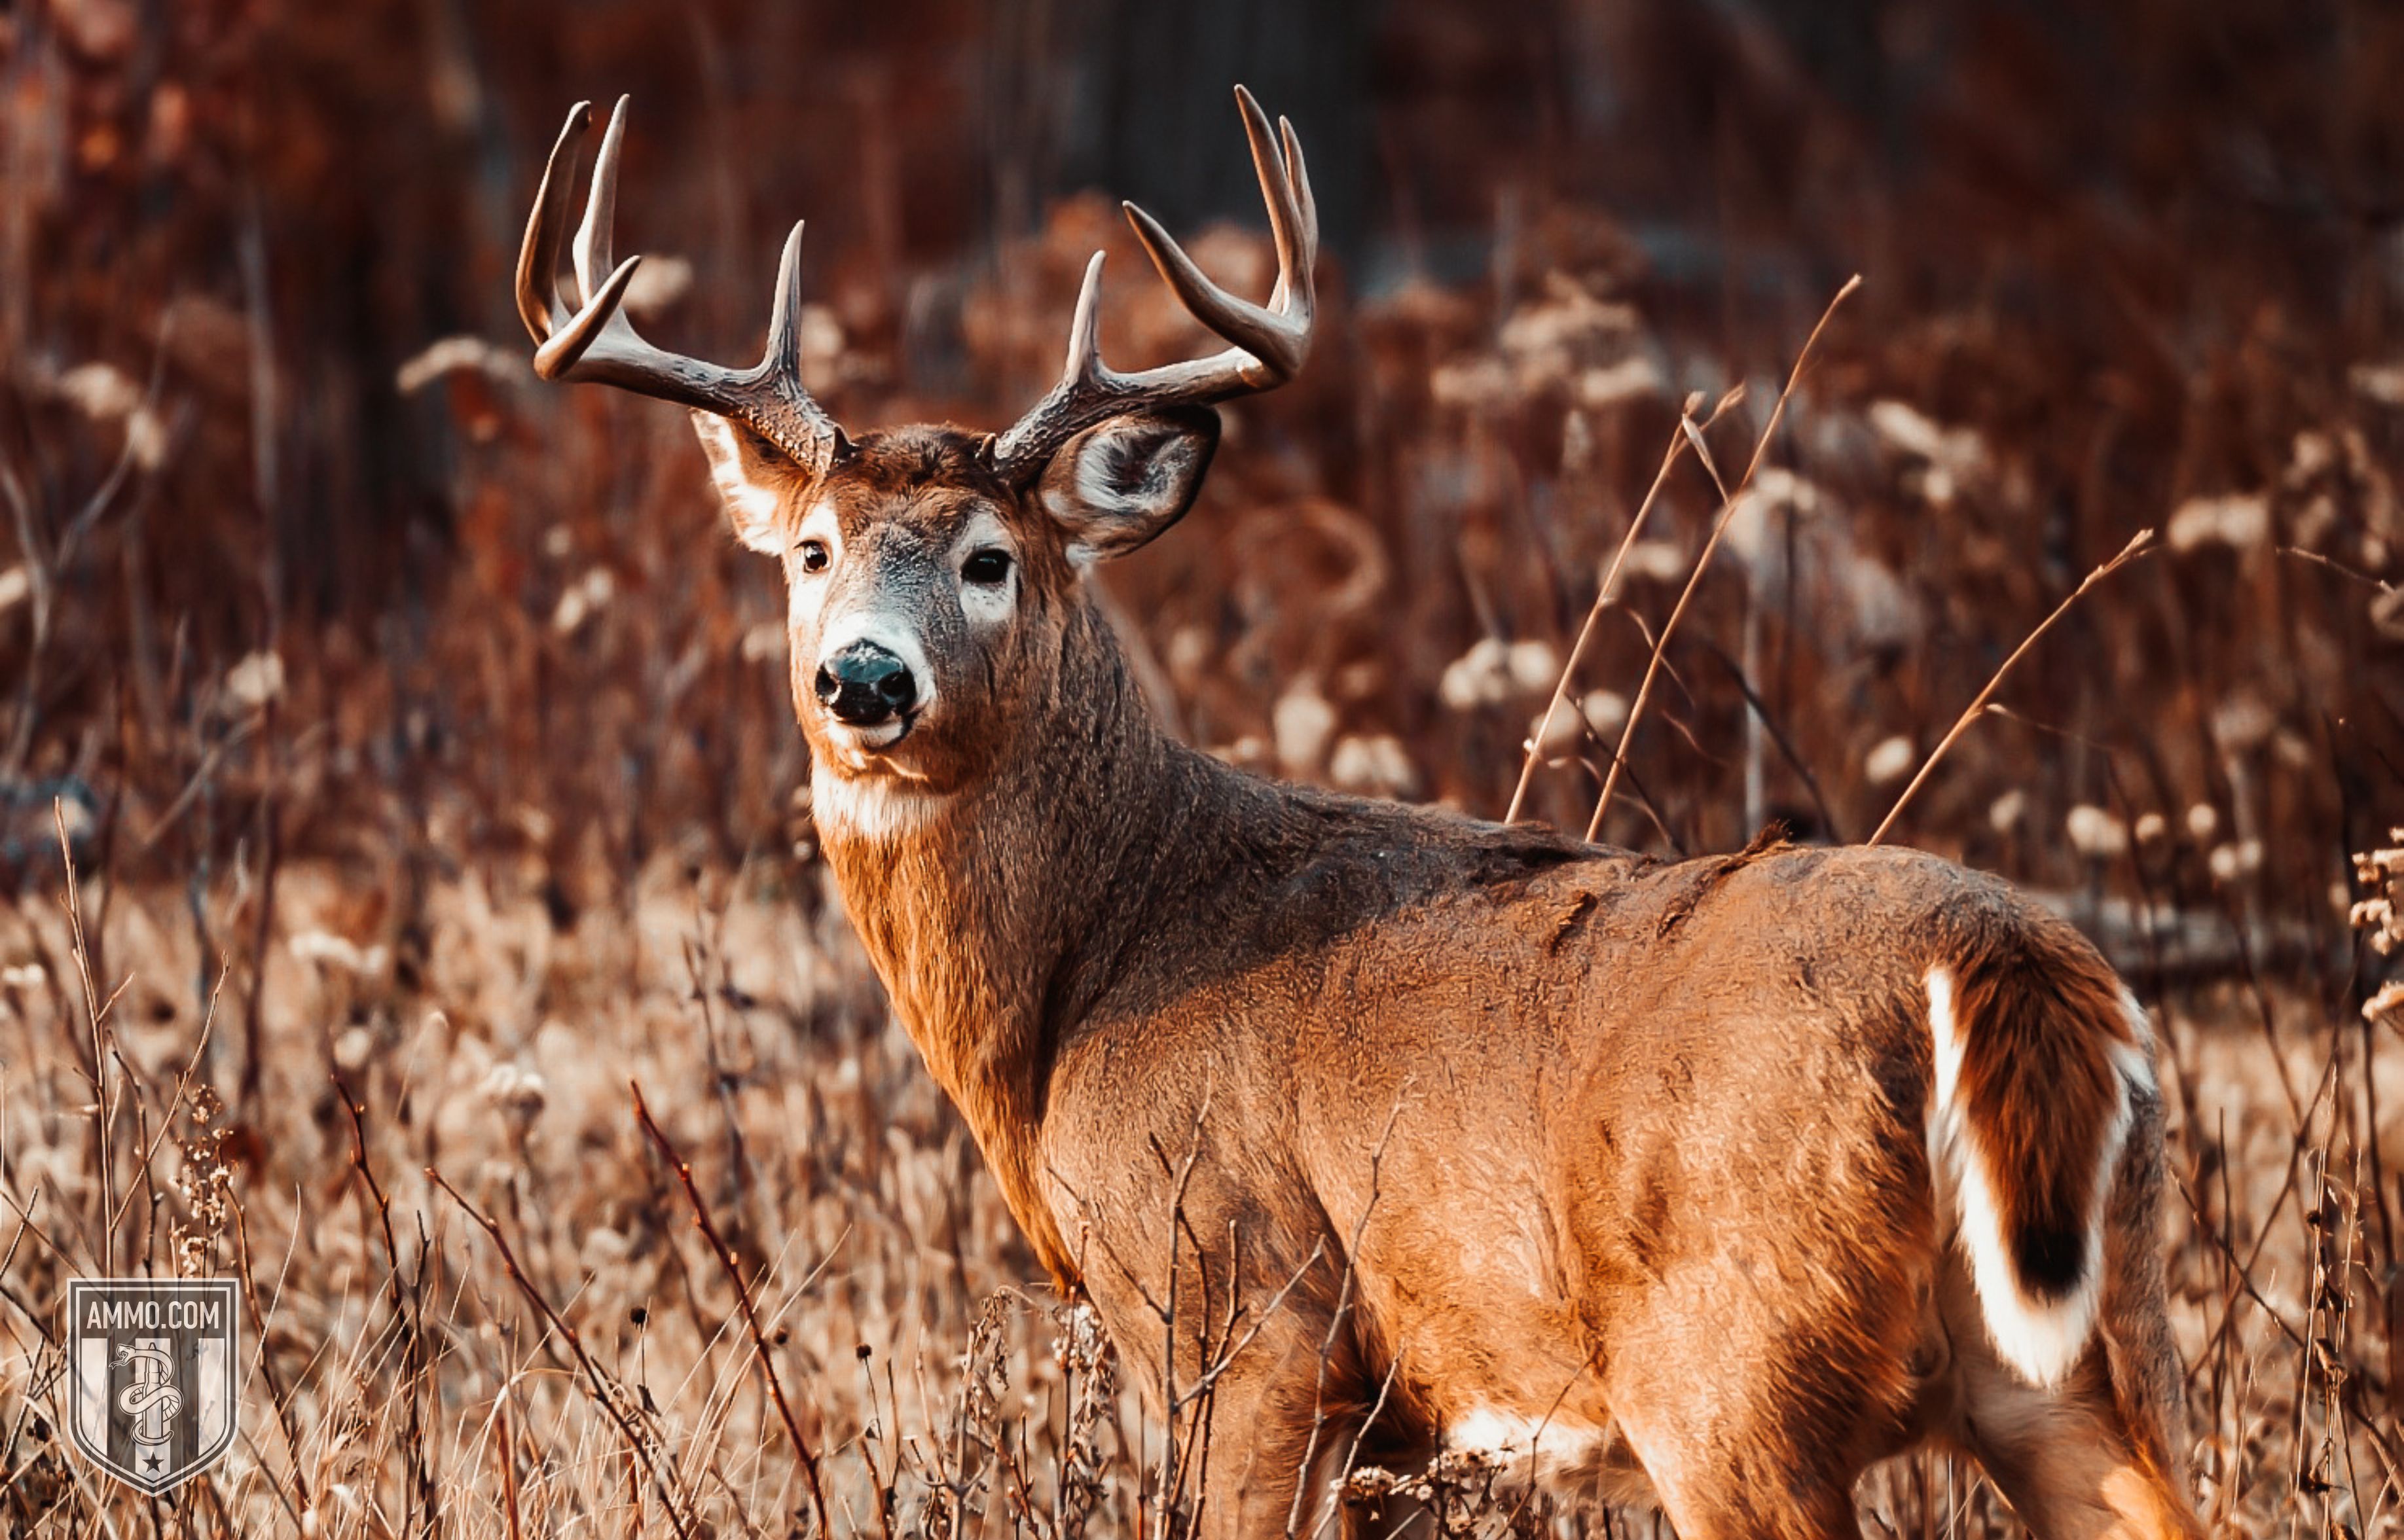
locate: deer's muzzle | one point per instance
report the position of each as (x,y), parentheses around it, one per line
(863,685)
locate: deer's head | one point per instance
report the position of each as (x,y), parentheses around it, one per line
(932,573)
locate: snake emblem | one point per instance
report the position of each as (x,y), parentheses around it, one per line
(152,1399)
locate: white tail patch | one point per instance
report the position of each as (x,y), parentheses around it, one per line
(2134,1058)
(2042,1337)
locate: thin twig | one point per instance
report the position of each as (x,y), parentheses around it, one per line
(1607,595)
(1761,715)
(183,1090)
(1335,1322)
(2136,548)
(603,1391)
(508,1461)
(750,1317)
(2339,568)
(1687,425)
(97,1016)
(427,1498)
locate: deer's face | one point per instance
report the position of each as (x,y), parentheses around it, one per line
(933,574)
(928,598)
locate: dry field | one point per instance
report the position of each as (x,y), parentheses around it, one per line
(490,1305)
(422,750)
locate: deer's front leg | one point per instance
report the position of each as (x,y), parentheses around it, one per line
(1266,1435)
(1248,1355)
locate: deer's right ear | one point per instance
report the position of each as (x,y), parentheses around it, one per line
(1119,483)
(753,478)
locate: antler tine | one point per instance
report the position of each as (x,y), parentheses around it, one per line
(538,253)
(1270,342)
(594,342)
(590,249)
(784,354)
(1272,347)
(1277,189)
(1279,336)
(1298,175)
(574,340)
(1085,328)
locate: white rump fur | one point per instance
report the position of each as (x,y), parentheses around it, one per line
(2042,1339)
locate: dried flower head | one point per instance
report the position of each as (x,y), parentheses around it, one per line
(518,1093)
(2382,913)
(2096,834)
(206,1184)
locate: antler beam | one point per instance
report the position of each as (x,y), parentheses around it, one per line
(1268,342)
(592,342)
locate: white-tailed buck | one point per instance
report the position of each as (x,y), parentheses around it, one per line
(1715,1180)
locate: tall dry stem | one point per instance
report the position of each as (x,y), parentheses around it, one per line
(1702,561)
(2136,548)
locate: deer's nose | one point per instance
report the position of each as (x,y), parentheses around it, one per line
(863,685)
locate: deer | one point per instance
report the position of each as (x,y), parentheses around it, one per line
(1706,1184)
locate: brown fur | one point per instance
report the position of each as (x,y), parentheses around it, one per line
(1620,1166)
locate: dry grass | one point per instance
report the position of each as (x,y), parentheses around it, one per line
(428,760)
(584,1364)
(831,1167)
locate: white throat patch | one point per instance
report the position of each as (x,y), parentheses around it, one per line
(874,807)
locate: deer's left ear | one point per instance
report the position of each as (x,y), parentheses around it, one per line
(1118,484)
(754,479)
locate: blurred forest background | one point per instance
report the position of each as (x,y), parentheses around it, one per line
(415,723)
(2131,266)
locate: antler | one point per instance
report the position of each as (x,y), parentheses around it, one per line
(594,342)
(1270,343)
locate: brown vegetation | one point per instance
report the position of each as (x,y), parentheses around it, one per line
(423,750)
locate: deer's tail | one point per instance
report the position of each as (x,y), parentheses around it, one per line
(2041,1058)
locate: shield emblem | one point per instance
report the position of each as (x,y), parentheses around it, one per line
(152,1367)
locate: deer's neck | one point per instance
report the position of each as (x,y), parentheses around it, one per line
(994,916)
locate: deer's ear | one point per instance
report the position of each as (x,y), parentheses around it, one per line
(754,479)
(1119,483)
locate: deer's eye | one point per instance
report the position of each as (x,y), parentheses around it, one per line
(987,567)
(814,555)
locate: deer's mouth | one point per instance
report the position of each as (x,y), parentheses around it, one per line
(861,746)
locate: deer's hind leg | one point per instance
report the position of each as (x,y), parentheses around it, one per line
(1740,1446)
(1758,1421)
(2065,1458)
(1283,1422)
(2083,1460)
(1718,1484)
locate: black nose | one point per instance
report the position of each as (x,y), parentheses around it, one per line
(864,685)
